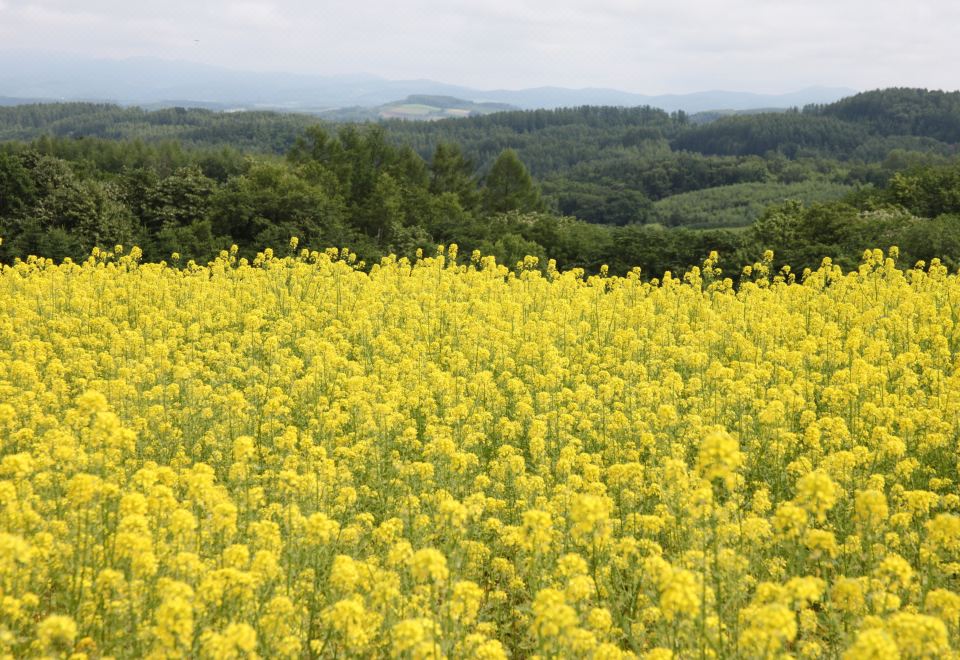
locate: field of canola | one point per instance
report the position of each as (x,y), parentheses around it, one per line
(296,458)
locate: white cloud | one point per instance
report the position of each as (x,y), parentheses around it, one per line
(643,45)
(41,15)
(256,14)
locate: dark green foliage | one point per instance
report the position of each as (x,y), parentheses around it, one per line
(739,204)
(271,201)
(510,249)
(452,172)
(790,133)
(17,189)
(655,249)
(802,236)
(611,204)
(928,192)
(177,200)
(573,244)
(48,207)
(937,238)
(508,186)
(263,131)
(901,111)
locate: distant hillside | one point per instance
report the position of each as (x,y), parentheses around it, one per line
(418,107)
(839,129)
(901,111)
(255,131)
(708,116)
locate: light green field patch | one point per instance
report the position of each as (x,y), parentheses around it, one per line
(417,109)
(739,204)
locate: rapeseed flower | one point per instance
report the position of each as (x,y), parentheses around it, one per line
(294,455)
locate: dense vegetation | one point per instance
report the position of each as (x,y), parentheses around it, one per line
(258,131)
(586,186)
(293,457)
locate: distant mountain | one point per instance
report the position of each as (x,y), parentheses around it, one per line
(6,101)
(154,82)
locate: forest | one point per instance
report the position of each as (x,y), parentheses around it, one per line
(588,186)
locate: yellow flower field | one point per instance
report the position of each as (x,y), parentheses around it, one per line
(297,457)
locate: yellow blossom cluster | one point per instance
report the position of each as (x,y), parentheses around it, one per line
(302,457)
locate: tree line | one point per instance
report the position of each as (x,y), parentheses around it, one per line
(587,186)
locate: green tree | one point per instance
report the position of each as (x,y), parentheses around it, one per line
(452,172)
(17,190)
(382,216)
(271,203)
(509,249)
(928,192)
(509,186)
(179,199)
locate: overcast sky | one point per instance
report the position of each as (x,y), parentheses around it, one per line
(652,47)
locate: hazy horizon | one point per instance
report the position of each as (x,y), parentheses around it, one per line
(66,57)
(27,76)
(664,48)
